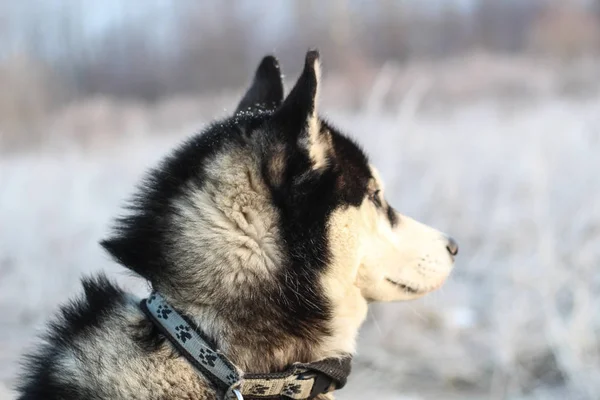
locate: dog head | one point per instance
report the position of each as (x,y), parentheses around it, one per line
(276,220)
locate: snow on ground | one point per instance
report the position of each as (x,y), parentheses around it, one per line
(518,188)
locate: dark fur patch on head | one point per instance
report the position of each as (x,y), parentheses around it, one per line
(308,197)
(352,166)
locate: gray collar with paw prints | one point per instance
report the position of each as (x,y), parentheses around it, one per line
(301,381)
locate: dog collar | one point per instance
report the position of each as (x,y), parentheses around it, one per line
(301,381)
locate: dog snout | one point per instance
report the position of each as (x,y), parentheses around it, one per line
(452,246)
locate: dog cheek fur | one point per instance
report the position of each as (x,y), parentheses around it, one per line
(339,281)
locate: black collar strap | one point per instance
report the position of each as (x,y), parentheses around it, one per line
(299,382)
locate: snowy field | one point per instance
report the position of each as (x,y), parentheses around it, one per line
(519,187)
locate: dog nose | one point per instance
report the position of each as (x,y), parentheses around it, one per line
(452,246)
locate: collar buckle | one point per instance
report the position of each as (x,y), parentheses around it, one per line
(321,383)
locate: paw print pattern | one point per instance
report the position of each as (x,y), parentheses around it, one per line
(231,379)
(183,333)
(291,389)
(207,357)
(163,312)
(258,389)
(151,299)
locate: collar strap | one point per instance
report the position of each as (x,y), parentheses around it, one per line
(299,382)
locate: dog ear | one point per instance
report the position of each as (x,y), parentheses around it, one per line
(297,117)
(266,90)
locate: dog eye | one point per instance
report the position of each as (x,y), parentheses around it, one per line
(375,198)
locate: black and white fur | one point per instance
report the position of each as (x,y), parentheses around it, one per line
(269,230)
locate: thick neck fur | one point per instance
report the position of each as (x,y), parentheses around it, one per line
(256,349)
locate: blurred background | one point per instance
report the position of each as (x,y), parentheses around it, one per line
(482,115)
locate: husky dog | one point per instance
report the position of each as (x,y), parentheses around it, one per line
(269,233)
